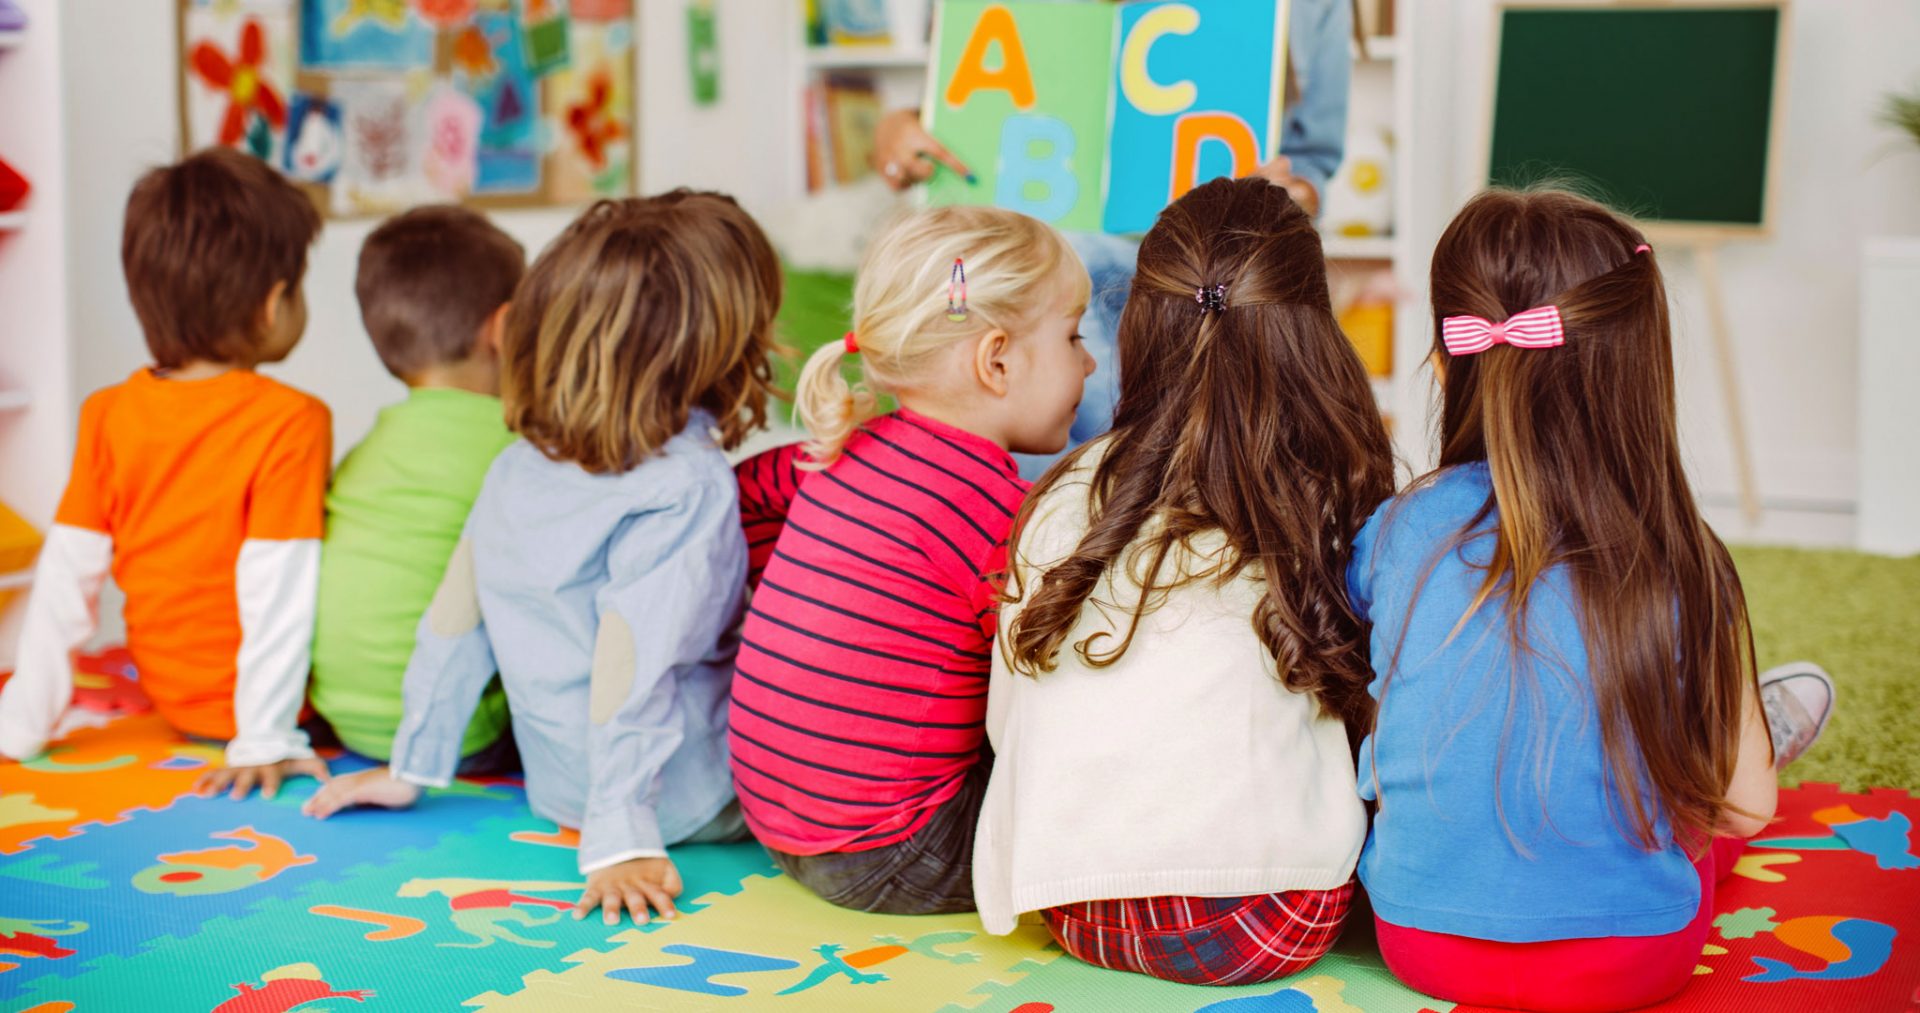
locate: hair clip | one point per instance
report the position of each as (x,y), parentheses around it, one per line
(852,343)
(1643,248)
(1211,300)
(957,291)
(1539,327)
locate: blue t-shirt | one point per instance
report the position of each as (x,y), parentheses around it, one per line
(1462,719)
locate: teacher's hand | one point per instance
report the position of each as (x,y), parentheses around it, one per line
(904,153)
(1279,172)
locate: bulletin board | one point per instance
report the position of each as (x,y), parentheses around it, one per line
(1669,111)
(380,105)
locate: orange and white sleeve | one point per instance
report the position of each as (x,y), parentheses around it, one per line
(277,581)
(62,608)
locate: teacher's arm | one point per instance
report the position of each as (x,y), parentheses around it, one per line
(1314,132)
(905,154)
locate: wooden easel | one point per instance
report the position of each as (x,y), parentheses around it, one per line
(1706,255)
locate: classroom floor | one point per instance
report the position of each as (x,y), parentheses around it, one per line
(118,891)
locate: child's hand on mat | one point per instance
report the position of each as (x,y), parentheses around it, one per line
(636,885)
(267,776)
(365,787)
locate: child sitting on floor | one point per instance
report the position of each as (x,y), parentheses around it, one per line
(434,284)
(861,683)
(602,570)
(1177,663)
(1571,740)
(198,482)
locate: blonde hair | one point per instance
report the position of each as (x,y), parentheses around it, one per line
(642,311)
(900,317)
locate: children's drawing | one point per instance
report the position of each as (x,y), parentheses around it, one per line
(314,144)
(383,104)
(237,68)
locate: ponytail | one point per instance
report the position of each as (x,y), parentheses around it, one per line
(829,406)
(903,312)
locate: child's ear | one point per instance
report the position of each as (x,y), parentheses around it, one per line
(990,355)
(269,312)
(492,331)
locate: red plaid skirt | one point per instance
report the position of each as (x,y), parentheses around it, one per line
(1205,940)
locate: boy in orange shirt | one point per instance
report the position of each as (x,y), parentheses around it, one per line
(197,482)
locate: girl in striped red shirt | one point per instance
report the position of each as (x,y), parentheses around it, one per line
(861,684)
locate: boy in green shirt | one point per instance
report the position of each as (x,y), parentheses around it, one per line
(433,285)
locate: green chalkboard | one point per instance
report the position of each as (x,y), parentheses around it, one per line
(1662,111)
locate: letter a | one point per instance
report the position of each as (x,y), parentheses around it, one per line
(1014,77)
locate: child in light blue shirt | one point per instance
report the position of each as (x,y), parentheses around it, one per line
(603,566)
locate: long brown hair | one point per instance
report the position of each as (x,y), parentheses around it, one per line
(1584,454)
(643,310)
(1254,421)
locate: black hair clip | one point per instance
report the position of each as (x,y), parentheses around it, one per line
(1211,299)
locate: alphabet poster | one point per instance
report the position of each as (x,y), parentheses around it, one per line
(1094,117)
(378,105)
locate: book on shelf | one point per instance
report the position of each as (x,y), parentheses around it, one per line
(853,112)
(856,22)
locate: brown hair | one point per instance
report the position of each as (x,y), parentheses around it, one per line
(642,311)
(427,282)
(204,243)
(1255,421)
(1587,474)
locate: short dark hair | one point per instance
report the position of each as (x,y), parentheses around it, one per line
(428,281)
(205,241)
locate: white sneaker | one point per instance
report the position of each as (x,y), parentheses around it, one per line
(1797,699)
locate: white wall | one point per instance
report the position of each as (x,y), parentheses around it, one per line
(1793,300)
(122,123)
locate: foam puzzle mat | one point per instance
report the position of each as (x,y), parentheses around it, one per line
(121,891)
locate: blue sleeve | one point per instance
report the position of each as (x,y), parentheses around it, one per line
(676,576)
(452,663)
(1360,569)
(1315,130)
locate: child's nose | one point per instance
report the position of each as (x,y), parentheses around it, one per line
(1087,363)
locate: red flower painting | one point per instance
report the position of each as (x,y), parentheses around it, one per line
(592,122)
(244,81)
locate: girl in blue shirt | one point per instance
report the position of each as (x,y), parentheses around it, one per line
(1571,741)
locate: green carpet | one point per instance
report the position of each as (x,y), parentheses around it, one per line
(1859,617)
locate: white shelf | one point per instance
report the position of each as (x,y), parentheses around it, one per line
(12,221)
(864,57)
(15,580)
(1380,48)
(1357,247)
(14,400)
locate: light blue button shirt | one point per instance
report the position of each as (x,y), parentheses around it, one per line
(610,606)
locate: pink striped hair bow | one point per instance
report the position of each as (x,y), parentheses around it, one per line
(1538,327)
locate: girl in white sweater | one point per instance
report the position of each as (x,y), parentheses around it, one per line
(1177,662)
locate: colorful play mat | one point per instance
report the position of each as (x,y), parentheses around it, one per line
(119,891)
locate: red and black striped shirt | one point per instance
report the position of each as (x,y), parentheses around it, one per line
(861,688)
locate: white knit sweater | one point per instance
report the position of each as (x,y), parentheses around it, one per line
(1185,768)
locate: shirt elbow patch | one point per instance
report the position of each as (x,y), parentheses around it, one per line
(456,604)
(613,660)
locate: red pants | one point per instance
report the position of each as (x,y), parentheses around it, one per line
(1205,940)
(1563,975)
